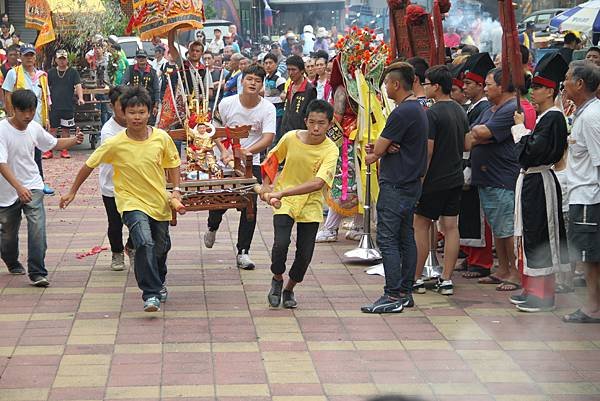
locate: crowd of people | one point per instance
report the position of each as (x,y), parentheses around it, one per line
(493,167)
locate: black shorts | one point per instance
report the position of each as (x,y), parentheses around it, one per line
(62,119)
(584,233)
(440,203)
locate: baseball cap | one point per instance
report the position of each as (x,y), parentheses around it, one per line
(26,49)
(61,53)
(141,53)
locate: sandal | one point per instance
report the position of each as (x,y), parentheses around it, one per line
(562,289)
(476,272)
(508,286)
(579,317)
(491,279)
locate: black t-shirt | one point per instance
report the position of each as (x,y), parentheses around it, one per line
(495,164)
(406,126)
(62,88)
(566,53)
(448,124)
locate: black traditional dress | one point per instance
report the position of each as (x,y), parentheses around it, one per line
(539,225)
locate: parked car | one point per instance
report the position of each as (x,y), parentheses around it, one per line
(209,30)
(541,19)
(131,44)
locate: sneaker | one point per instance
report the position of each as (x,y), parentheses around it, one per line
(407,301)
(164,294)
(535,304)
(65,154)
(518,299)
(355,234)
(39,281)
(326,236)
(419,286)
(384,304)
(47,155)
(17,270)
(152,304)
(444,287)
(274,296)
(209,238)
(289,301)
(48,190)
(244,261)
(118,261)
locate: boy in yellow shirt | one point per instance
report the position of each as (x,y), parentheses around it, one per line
(310,159)
(140,156)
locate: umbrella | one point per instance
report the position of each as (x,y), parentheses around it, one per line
(583,18)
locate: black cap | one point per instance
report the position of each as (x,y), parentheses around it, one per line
(141,53)
(477,67)
(530,25)
(457,71)
(550,71)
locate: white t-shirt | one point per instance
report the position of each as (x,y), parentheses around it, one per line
(583,163)
(16,150)
(261,118)
(109,129)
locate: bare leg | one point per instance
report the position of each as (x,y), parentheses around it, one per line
(451,244)
(421,226)
(290,285)
(64,133)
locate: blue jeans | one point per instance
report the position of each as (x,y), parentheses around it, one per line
(396,237)
(498,205)
(151,242)
(10,220)
(105,112)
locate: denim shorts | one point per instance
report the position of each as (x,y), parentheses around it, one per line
(498,205)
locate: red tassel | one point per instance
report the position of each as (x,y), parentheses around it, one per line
(415,14)
(440,53)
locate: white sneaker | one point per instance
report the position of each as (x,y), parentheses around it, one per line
(244,261)
(209,238)
(419,286)
(117,263)
(354,234)
(326,236)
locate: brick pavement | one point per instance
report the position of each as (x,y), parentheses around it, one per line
(86,338)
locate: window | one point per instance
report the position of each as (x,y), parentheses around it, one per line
(544,18)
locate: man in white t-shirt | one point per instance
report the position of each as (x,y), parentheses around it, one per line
(217,44)
(112,127)
(21,185)
(583,174)
(247,108)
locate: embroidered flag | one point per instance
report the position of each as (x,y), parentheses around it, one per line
(39,17)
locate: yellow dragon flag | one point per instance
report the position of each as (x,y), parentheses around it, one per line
(39,17)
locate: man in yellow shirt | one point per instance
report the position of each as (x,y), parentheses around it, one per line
(140,156)
(310,160)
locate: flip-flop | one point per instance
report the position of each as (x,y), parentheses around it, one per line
(579,317)
(491,279)
(476,272)
(505,283)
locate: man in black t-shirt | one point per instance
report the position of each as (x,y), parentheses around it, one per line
(400,174)
(442,187)
(64,82)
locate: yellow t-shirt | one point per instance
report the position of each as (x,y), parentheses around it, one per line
(139,175)
(303,163)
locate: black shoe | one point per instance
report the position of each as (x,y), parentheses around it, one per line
(274,296)
(289,302)
(39,281)
(17,270)
(535,304)
(518,299)
(384,304)
(407,301)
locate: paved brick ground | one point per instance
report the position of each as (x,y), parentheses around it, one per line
(85,337)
